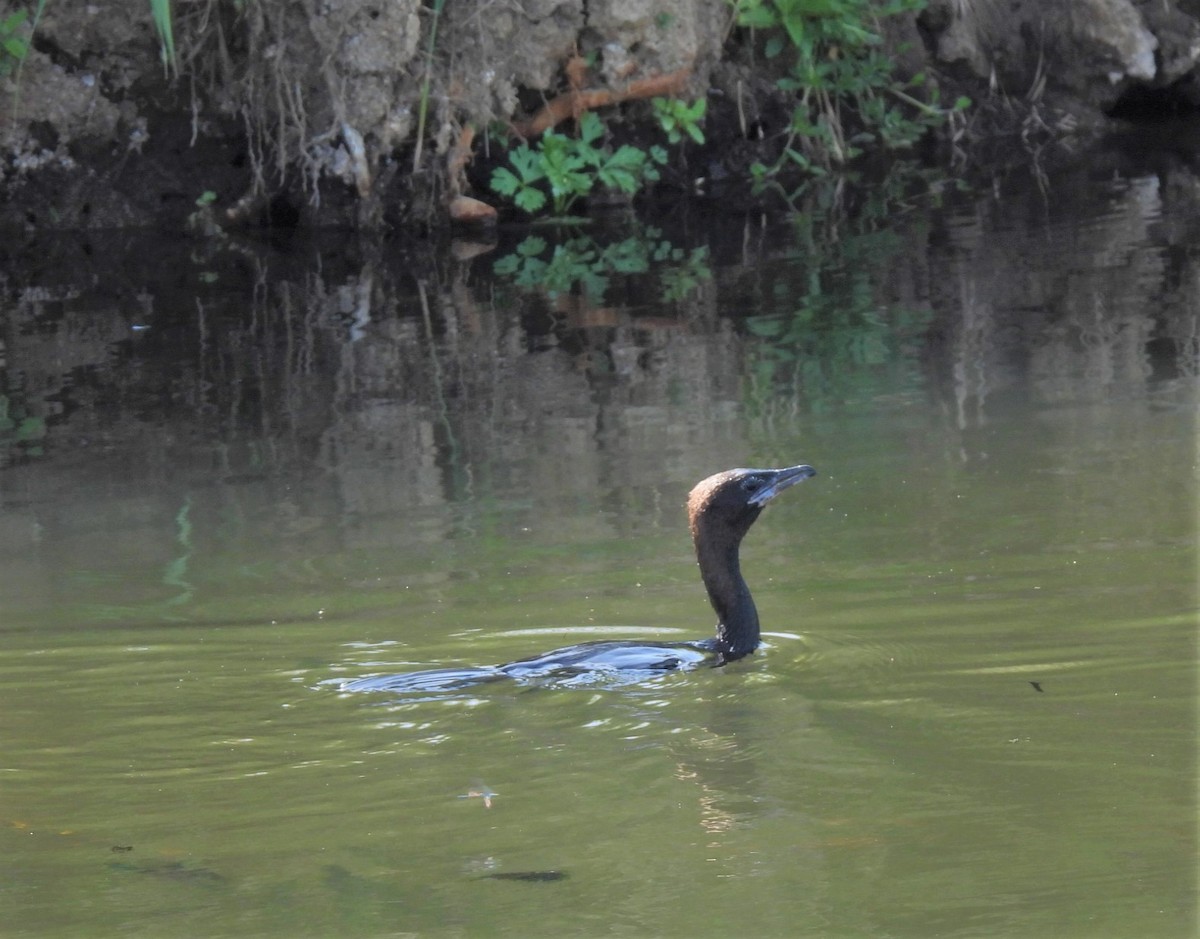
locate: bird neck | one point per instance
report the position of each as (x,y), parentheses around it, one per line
(737,617)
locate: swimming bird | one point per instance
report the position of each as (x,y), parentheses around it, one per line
(721,510)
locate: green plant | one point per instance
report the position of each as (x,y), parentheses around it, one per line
(576,263)
(423,107)
(847,93)
(683,274)
(203,221)
(823,328)
(13,45)
(19,430)
(14,48)
(570,167)
(160,12)
(585,265)
(677,118)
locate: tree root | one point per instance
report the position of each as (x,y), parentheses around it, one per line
(574,102)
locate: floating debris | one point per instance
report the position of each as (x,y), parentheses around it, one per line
(532,877)
(481,791)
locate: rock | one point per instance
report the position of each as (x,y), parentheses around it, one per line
(467,211)
(1178,37)
(1092,50)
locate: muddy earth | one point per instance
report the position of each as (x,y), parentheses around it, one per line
(360,112)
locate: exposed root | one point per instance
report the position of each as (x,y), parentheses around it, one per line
(572,103)
(250,204)
(457,160)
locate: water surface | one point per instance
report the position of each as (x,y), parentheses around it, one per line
(975,714)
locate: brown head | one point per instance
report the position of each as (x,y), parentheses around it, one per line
(732,500)
(721,510)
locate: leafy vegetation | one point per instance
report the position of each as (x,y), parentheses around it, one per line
(682,273)
(677,118)
(847,94)
(571,167)
(14,46)
(822,331)
(847,98)
(584,265)
(20,432)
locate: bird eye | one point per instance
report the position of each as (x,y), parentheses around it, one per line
(750,483)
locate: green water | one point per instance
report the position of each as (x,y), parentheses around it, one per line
(975,715)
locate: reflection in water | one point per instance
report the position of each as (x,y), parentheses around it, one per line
(222,490)
(465,388)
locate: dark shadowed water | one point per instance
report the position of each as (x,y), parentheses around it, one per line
(230,481)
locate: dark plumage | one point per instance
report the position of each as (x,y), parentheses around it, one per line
(721,510)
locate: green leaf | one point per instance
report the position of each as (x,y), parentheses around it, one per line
(620,179)
(504,182)
(590,128)
(509,264)
(757,16)
(528,164)
(531,247)
(628,156)
(594,285)
(797,32)
(10,23)
(625,169)
(32,428)
(530,200)
(627,257)
(160,12)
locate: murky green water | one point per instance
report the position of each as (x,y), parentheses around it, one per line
(976,715)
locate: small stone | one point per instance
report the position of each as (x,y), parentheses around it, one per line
(471,211)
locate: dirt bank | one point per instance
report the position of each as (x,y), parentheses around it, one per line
(299,112)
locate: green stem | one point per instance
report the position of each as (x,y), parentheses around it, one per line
(37,16)
(919,105)
(423,109)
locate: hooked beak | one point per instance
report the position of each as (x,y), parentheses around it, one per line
(784,478)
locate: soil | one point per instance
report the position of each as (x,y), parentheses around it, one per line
(328,113)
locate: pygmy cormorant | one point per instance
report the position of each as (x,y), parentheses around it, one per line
(721,510)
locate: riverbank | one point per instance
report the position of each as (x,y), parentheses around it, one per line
(354,113)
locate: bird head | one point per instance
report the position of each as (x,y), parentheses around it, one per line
(732,500)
